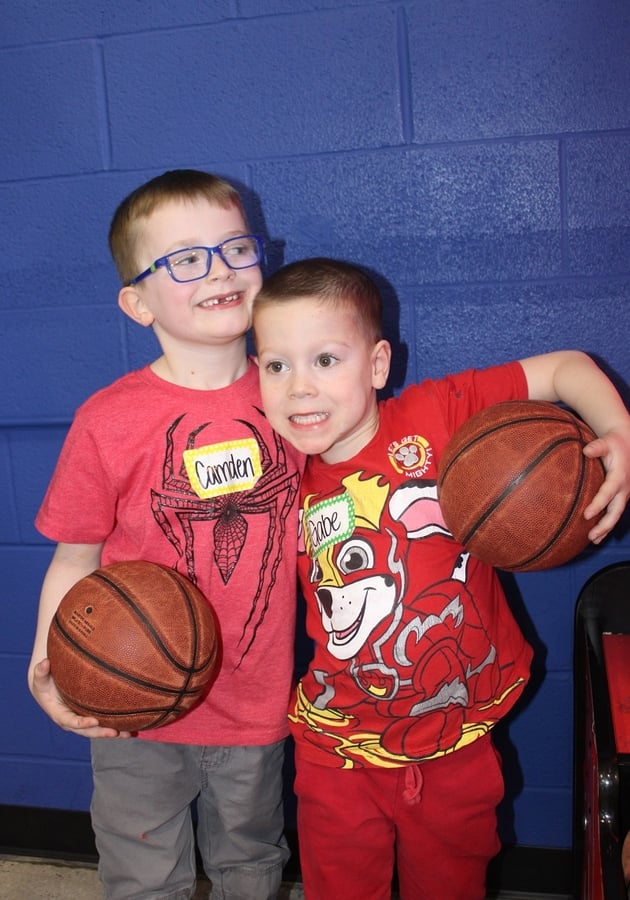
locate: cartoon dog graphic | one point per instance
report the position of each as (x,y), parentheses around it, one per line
(415,661)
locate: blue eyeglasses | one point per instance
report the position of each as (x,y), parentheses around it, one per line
(193,263)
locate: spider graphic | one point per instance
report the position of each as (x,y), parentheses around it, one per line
(272,495)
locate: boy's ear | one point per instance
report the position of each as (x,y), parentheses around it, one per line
(381,359)
(131,301)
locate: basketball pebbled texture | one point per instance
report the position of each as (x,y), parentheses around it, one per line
(135,644)
(513,485)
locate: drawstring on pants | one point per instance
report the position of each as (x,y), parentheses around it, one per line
(413,785)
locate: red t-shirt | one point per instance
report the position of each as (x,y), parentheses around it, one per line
(416,650)
(197,481)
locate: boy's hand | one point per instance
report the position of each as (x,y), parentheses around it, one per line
(45,691)
(614,450)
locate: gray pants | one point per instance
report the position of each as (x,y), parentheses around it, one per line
(141,815)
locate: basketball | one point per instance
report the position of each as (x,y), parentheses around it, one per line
(134,644)
(513,485)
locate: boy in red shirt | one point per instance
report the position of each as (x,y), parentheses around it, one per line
(416,652)
(190,270)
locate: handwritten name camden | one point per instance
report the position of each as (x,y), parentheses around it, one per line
(223,468)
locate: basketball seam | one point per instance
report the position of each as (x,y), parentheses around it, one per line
(133,679)
(514,484)
(160,712)
(508,424)
(191,669)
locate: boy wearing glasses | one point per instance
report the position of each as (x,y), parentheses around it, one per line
(121,491)
(416,653)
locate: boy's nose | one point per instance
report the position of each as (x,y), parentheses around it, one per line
(219,268)
(301,386)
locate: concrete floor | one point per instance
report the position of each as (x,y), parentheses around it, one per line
(27,878)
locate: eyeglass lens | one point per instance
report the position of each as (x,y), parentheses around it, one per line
(195,262)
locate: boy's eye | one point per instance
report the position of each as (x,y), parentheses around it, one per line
(275,366)
(239,247)
(326,360)
(189,258)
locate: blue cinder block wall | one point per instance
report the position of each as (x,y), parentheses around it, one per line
(474,153)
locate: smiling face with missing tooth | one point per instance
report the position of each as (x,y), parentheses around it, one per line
(211,310)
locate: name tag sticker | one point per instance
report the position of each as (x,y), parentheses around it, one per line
(329,522)
(223,468)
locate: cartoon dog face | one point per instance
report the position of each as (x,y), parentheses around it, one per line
(357,544)
(353,596)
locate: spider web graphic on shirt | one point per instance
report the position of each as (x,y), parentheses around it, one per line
(178,511)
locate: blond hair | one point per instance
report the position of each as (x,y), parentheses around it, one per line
(178,184)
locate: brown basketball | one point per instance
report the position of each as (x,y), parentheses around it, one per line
(513,485)
(134,644)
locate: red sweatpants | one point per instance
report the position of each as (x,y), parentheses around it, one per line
(435,821)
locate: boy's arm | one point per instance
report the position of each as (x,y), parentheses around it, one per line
(69,563)
(571,377)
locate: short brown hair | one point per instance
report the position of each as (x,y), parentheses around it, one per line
(177,184)
(332,281)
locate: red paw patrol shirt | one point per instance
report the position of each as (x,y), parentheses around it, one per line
(416,650)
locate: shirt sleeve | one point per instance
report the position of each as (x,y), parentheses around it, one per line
(79,506)
(468,392)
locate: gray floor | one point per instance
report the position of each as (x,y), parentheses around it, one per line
(24,878)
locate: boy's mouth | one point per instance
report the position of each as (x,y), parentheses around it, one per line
(220,301)
(308,419)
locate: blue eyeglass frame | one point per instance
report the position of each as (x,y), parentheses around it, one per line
(163,261)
